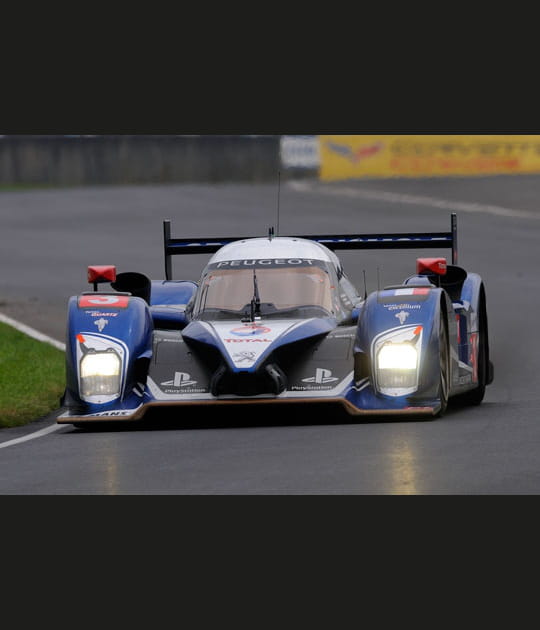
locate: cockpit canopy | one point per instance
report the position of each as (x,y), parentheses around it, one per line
(282,287)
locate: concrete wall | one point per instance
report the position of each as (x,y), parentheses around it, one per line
(124,159)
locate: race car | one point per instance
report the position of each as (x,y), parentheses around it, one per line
(275,320)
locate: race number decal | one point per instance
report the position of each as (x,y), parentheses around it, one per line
(110,301)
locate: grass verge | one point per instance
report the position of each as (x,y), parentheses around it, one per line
(32,377)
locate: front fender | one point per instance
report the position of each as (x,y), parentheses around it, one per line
(100,322)
(418,310)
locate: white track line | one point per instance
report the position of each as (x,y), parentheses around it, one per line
(416,200)
(31,332)
(35,334)
(32,436)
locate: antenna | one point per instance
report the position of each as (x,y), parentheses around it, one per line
(365,286)
(278,195)
(378,279)
(453,227)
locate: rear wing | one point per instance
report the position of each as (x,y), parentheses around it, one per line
(414,240)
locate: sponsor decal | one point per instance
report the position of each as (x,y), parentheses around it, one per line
(299,151)
(258,335)
(114,414)
(111,301)
(250,329)
(321,381)
(346,156)
(400,307)
(264,262)
(247,340)
(101,314)
(321,377)
(180,384)
(101,323)
(402,316)
(355,155)
(240,357)
(181,379)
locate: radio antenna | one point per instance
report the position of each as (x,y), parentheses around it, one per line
(365,286)
(278,194)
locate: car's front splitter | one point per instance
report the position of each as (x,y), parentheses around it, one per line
(140,411)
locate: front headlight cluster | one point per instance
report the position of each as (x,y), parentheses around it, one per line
(100,374)
(396,357)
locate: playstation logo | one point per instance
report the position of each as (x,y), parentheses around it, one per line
(181,379)
(321,377)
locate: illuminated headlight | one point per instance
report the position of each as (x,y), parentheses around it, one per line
(100,374)
(397,356)
(396,360)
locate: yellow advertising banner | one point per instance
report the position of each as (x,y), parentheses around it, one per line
(346,157)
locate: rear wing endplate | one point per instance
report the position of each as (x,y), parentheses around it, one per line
(414,240)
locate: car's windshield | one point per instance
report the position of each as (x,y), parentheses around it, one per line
(281,290)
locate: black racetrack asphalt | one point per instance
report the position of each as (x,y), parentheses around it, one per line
(49,237)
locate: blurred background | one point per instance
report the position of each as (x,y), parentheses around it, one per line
(80,160)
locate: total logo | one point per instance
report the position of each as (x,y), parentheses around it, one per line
(250,330)
(321,377)
(181,379)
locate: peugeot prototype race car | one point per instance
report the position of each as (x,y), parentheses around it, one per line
(275,320)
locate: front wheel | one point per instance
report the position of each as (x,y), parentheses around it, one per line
(484,366)
(444,367)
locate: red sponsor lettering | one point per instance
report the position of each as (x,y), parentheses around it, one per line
(435,164)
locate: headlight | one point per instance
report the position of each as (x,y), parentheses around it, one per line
(100,374)
(397,358)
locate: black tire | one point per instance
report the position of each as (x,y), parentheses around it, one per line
(444,367)
(475,396)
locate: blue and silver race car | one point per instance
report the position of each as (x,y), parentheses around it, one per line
(276,321)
